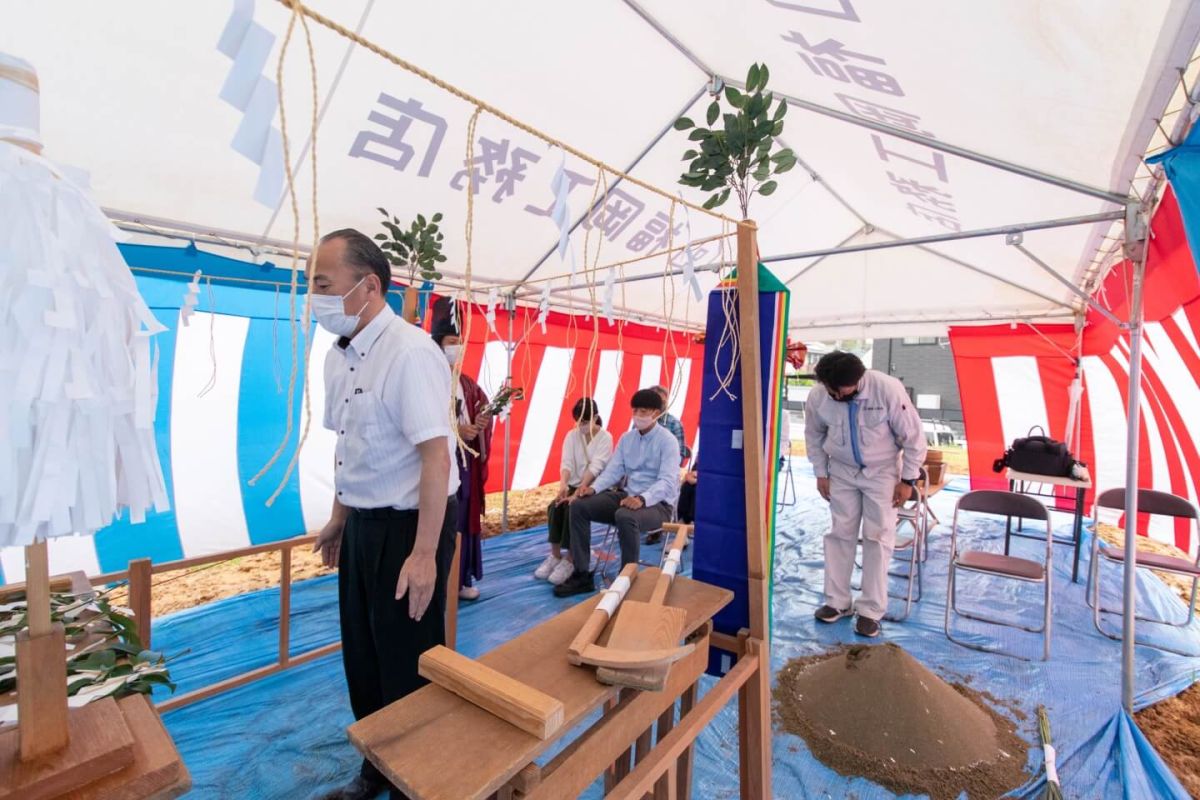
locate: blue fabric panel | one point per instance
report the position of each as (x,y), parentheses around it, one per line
(1182,165)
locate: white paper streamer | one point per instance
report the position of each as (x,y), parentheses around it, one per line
(1051,767)
(77,413)
(191,299)
(560,184)
(544,307)
(613,597)
(689,265)
(493,297)
(671,565)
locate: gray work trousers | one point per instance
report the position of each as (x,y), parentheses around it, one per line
(606,507)
(860,500)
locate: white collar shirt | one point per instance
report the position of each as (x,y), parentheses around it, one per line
(387,390)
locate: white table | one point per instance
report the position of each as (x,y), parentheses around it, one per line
(1024,483)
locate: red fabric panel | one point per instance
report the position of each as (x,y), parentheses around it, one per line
(579,364)
(1145,468)
(622,414)
(981,416)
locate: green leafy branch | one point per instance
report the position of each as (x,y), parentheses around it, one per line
(735,156)
(417,249)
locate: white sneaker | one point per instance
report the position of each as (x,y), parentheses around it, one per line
(564,569)
(546,567)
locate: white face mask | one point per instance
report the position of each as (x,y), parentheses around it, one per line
(644,423)
(452,351)
(329,310)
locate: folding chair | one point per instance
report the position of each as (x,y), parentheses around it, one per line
(913,516)
(1000,504)
(1156,504)
(789,484)
(609,551)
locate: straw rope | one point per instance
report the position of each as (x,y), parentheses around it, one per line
(465,328)
(320,19)
(297,340)
(21,77)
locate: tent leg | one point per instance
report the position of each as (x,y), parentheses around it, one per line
(510,303)
(1131,475)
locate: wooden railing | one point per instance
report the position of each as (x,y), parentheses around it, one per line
(141,573)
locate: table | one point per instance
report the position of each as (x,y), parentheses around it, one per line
(1020,482)
(436,746)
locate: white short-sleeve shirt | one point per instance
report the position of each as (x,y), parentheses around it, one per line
(386,391)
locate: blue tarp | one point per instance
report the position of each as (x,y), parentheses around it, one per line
(284,736)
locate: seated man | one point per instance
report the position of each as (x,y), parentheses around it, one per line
(647,462)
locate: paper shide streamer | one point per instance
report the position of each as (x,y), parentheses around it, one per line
(191,299)
(77,413)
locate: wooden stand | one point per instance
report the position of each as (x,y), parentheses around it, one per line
(105,749)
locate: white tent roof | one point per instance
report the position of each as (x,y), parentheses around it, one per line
(1069,89)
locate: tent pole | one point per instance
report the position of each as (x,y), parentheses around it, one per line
(1137,247)
(510,304)
(1075,290)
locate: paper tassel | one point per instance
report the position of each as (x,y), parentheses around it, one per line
(493,296)
(77,416)
(561,186)
(191,299)
(544,307)
(610,286)
(689,264)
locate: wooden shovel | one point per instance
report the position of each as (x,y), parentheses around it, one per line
(646,634)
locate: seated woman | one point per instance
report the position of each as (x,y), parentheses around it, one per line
(585,452)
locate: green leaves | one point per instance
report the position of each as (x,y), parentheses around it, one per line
(417,249)
(737,147)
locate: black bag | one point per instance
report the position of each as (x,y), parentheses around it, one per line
(1037,455)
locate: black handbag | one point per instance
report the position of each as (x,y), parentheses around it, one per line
(1037,455)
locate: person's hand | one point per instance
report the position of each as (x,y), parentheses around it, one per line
(633,503)
(823,488)
(901,494)
(417,577)
(692,477)
(582,491)
(564,492)
(329,542)
(482,421)
(467,432)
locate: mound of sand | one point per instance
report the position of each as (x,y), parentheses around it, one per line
(876,712)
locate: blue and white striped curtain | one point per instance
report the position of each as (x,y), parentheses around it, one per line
(222,412)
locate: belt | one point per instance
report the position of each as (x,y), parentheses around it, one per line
(388,512)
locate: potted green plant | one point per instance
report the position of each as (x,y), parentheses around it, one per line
(417,249)
(735,154)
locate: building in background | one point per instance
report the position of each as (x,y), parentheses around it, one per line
(926,367)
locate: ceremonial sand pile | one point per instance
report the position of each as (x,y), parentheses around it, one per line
(875,712)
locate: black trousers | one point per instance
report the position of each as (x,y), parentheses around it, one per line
(380,642)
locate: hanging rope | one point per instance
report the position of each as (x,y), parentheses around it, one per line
(589,384)
(212,343)
(299,337)
(465,329)
(729,332)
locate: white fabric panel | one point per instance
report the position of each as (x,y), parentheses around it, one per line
(316,458)
(1180,317)
(679,386)
(204,458)
(1024,405)
(537,436)
(651,372)
(1107,407)
(608,378)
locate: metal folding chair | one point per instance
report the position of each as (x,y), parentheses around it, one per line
(1156,504)
(608,554)
(912,517)
(1000,504)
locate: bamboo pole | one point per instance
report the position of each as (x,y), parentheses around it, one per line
(754,701)
(285,606)
(140,576)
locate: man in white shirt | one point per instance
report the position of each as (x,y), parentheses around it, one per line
(636,492)
(866,445)
(391,531)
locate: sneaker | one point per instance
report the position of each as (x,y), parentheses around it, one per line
(468,593)
(578,583)
(867,627)
(564,569)
(546,567)
(831,614)
(654,537)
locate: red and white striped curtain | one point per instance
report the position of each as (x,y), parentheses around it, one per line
(1013,379)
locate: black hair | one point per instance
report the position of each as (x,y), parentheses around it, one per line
(586,408)
(363,255)
(648,399)
(837,370)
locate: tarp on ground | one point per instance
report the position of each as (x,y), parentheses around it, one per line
(287,731)
(171,107)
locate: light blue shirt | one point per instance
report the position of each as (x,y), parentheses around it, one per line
(649,463)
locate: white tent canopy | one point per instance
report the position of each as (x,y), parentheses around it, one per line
(1042,110)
